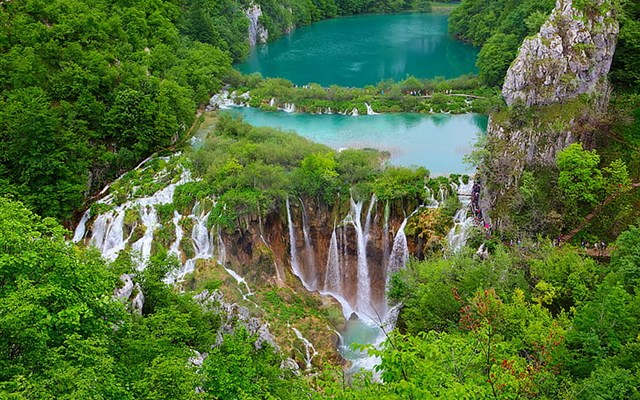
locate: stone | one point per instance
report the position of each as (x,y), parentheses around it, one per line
(127,291)
(570,55)
(233,315)
(257,32)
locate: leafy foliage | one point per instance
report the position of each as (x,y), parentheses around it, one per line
(251,171)
(498,26)
(62,335)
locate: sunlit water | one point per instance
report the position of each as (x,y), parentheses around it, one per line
(363,50)
(437,142)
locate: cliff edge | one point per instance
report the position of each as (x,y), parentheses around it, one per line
(570,55)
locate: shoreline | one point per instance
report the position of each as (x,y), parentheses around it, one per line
(436,103)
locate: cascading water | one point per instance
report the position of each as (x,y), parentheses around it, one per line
(309,348)
(462,221)
(108,228)
(363,298)
(149,218)
(333,275)
(399,253)
(289,108)
(442,195)
(431,201)
(295,262)
(108,233)
(370,110)
(82,227)
(200,238)
(175,246)
(385,231)
(308,246)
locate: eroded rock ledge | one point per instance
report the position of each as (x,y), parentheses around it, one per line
(570,55)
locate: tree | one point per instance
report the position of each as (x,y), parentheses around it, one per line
(579,179)
(56,312)
(248,372)
(495,57)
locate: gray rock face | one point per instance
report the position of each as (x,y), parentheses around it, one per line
(130,293)
(568,57)
(233,315)
(257,32)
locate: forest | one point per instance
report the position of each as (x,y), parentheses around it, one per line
(91,89)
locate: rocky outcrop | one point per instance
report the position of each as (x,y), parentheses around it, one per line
(130,293)
(570,55)
(234,316)
(257,32)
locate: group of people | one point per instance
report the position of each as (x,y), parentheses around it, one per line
(478,218)
(475,204)
(600,247)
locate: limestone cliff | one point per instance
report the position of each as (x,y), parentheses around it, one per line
(570,55)
(557,89)
(257,32)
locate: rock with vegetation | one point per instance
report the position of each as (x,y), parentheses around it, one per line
(571,54)
(257,32)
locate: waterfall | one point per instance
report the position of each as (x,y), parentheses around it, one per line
(149,218)
(431,201)
(363,298)
(289,108)
(108,228)
(309,349)
(175,246)
(370,110)
(399,253)
(221,100)
(333,275)
(222,249)
(308,246)
(462,221)
(200,238)
(385,232)
(354,112)
(82,227)
(295,262)
(240,281)
(108,233)
(272,102)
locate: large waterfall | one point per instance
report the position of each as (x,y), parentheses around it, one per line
(354,277)
(350,261)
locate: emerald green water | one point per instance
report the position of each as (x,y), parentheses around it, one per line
(437,142)
(363,50)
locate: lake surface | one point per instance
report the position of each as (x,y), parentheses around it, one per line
(437,142)
(363,50)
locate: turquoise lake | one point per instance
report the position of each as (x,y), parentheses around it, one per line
(363,50)
(437,142)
